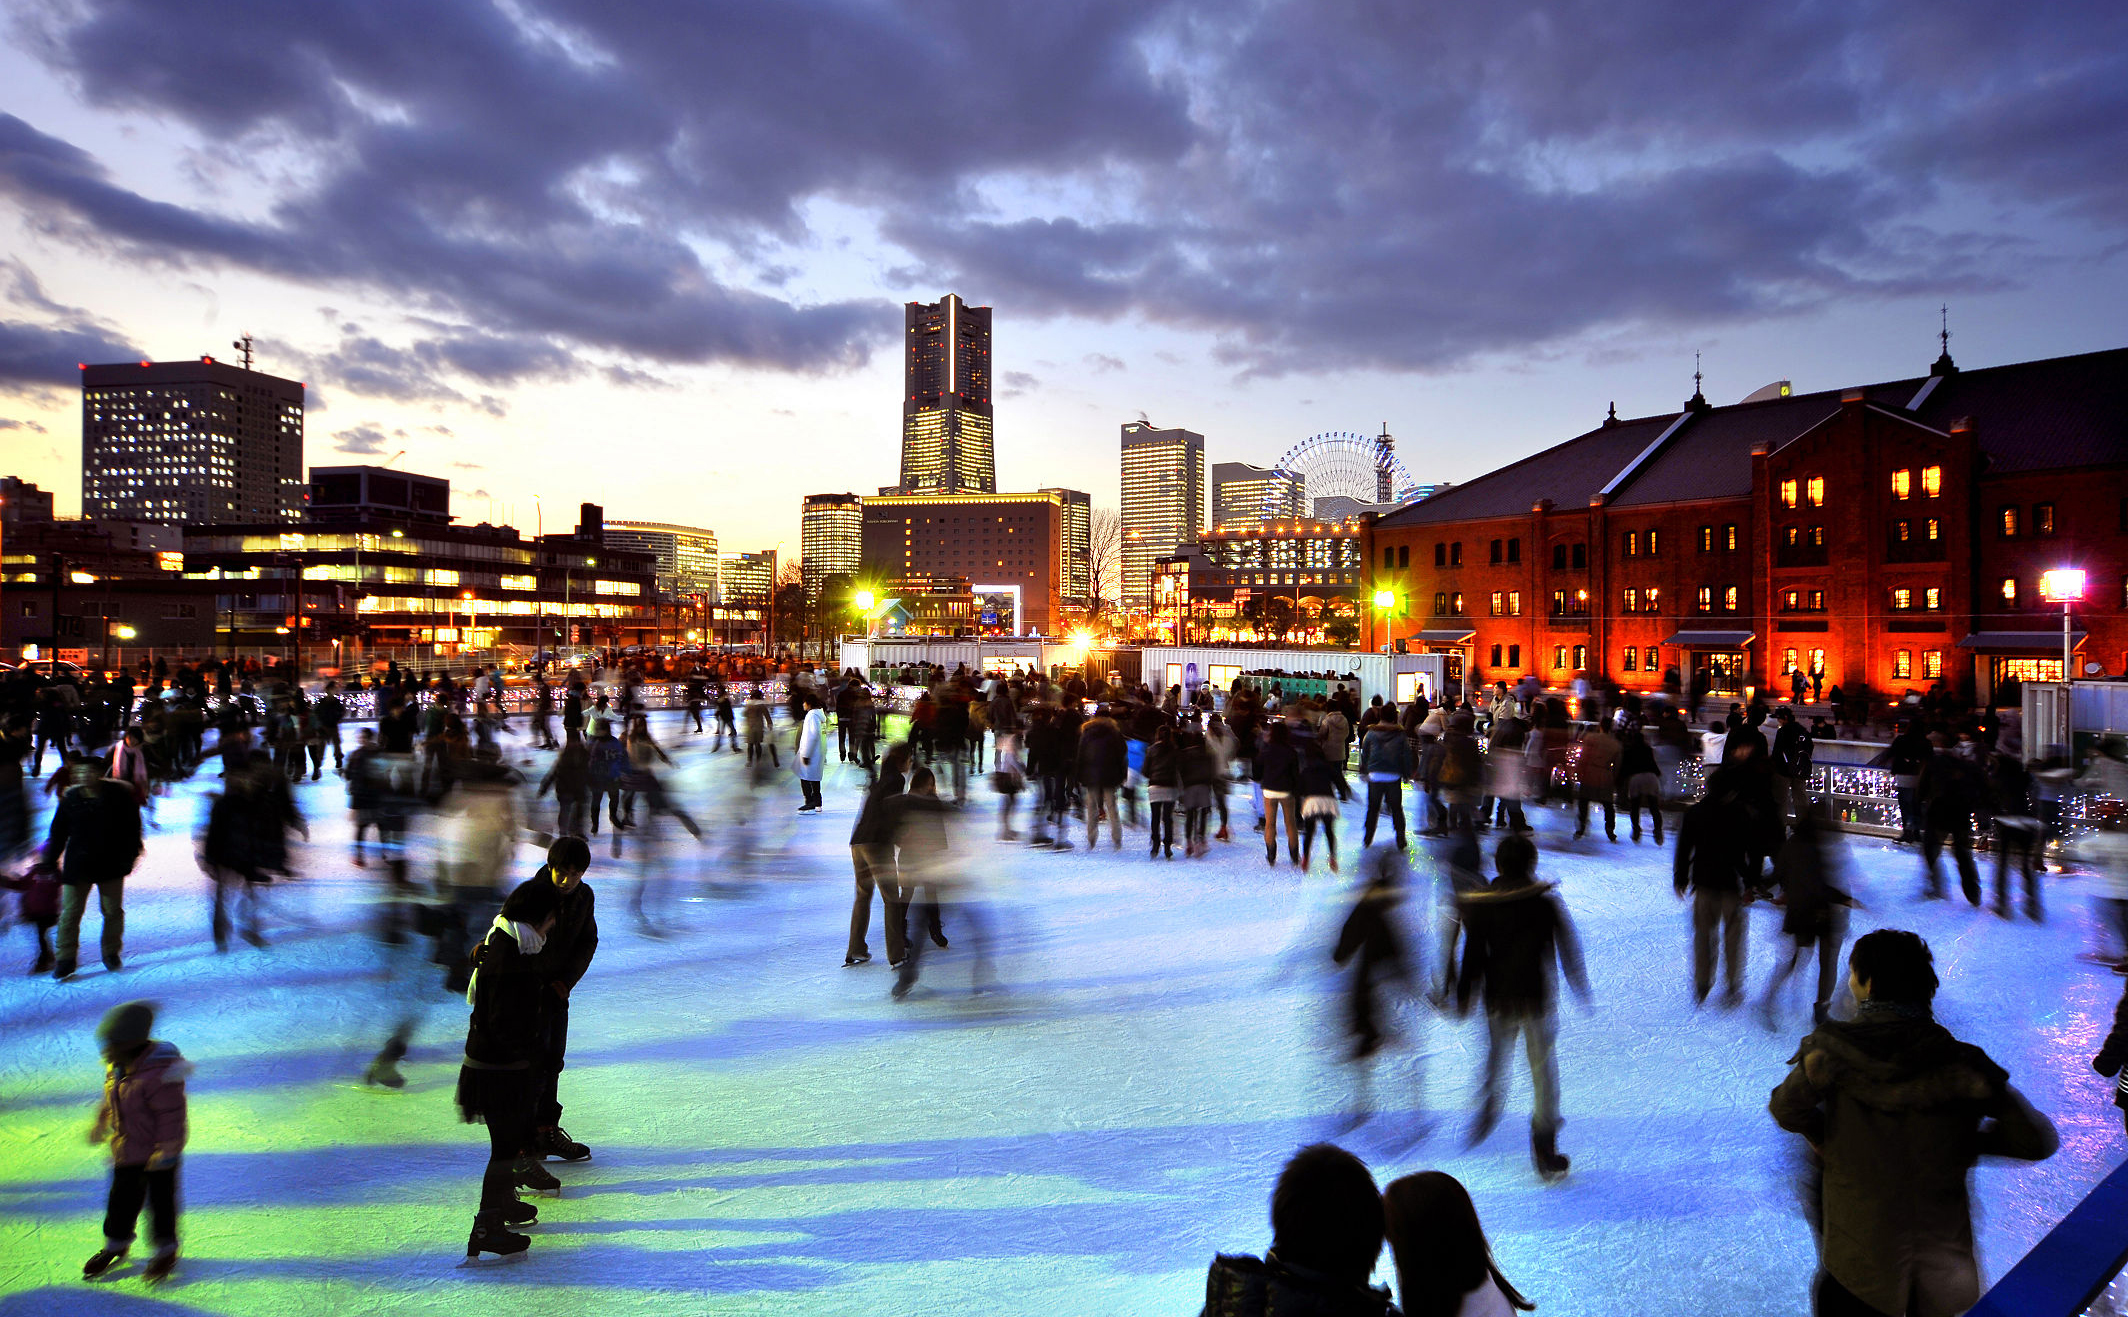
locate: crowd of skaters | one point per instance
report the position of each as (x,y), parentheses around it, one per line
(1087,751)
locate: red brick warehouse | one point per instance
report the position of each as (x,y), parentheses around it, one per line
(1887,534)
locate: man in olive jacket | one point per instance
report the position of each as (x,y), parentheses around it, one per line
(1897,1111)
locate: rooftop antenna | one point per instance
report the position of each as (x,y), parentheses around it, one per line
(1944,334)
(1695,374)
(243,345)
(1944,365)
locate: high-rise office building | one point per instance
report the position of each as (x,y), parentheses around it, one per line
(747,577)
(946,443)
(21,501)
(1164,481)
(1076,570)
(830,538)
(998,543)
(193,442)
(1245,495)
(686,556)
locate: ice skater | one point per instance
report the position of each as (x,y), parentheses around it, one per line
(497,1080)
(1814,915)
(1372,943)
(1517,930)
(561,964)
(143,1119)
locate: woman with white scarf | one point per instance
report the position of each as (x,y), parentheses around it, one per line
(495,1081)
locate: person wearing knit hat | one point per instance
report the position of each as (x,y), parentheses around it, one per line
(143,1119)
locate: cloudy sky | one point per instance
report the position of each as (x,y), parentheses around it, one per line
(651,253)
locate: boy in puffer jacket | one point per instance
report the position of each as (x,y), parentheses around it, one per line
(143,1117)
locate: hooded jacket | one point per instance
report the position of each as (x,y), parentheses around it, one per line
(1514,931)
(95,834)
(1899,1111)
(143,1108)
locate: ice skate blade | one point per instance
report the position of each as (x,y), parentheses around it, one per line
(522,1190)
(477,1261)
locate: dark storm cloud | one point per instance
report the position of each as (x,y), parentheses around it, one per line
(36,356)
(1315,185)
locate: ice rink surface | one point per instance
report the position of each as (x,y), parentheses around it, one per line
(773,1134)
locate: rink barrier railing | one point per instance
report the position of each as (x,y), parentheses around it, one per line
(2077,1261)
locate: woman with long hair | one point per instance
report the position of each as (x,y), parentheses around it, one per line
(1444,1265)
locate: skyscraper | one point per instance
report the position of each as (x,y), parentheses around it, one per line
(995,542)
(686,555)
(1075,571)
(1245,495)
(1163,501)
(830,538)
(194,442)
(945,411)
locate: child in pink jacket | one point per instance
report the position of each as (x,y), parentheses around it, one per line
(143,1117)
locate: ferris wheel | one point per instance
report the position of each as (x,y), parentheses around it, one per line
(1361,468)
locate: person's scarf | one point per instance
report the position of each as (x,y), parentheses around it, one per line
(529,941)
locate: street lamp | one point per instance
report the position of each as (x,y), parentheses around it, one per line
(467,646)
(2064,586)
(1386,602)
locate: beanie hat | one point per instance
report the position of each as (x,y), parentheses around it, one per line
(126,1027)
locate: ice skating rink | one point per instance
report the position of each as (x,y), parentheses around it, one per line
(773,1134)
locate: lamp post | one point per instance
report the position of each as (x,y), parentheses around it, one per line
(865,600)
(2064,586)
(467,646)
(1385,602)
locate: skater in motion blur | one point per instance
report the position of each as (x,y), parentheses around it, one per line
(1710,864)
(496,1080)
(1814,915)
(1896,1111)
(245,844)
(1372,944)
(924,858)
(94,843)
(142,1116)
(1444,1264)
(561,965)
(1326,1235)
(1516,930)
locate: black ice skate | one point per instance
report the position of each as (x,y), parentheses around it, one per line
(519,1214)
(529,1175)
(491,1235)
(1551,1164)
(554,1141)
(101,1261)
(159,1267)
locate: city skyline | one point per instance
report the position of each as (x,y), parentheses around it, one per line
(157,209)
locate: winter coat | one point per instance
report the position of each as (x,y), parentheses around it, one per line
(143,1108)
(1103,762)
(1808,894)
(1370,932)
(574,939)
(1514,932)
(1792,748)
(1596,764)
(570,777)
(1163,767)
(1318,776)
(1278,767)
(1385,749)
(2112,1058)
(811,759)
(95,834)
(503,1032)
(1952,791)
(1899,1111)
(1241,1286)
(1711,849)
(874,822)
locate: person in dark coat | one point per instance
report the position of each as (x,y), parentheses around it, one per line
(560,963)
(1710,862)
(1278,774)
(1897,1110)
(1163,788)
(1516,938)
(1371,941)
(1326,1234)
(1385,761)
(94,842)
(569,777)
(1952,790)
(1103,763)
(497,1079)
(872,856)
(1814,914)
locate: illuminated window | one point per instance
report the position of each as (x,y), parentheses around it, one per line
(1788,661)
(1652,550)
(1934,530)
(1455,604)
(1514,603)
(1440,602)
(1817,663)
(1706,599)
(1729,598)
(1932,599)
(1706,539)
(1559,657)
(1791,600)
(1632,600)
(1499,609)
(1817,491)
(1788,493)
(1902,531)
(1817,601)
(1902,664)
(1581,657)
(1631,661)
(1632,544)
(1902,599)
(1651,659)
(2008,523)
(1729,539)
(1903,483)
(1932,664)
(2042,518)
(1932,481)
(1653,595)
(2008,590)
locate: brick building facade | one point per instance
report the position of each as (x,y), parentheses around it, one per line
(1890,535)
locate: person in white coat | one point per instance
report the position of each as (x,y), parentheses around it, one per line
(811,758)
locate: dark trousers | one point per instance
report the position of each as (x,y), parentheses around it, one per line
(570,821)
(1381,795)
(130,1185)
(2020,844)
(1633,804)
(874,863)
(1328,823)
(544,1106)
(509,1131)
(1960,835)
(1829,1298)
(1717,924)
(1607,798)
(1163,824)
